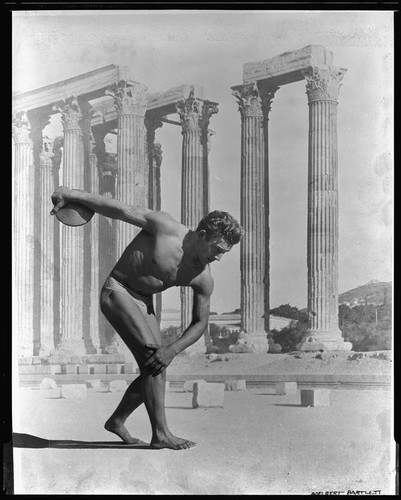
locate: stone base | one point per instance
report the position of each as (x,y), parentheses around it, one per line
(253,342)
(324,342)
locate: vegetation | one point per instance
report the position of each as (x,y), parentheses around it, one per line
(367,327)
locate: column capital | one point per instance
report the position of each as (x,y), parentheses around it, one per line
(47,154)
(248,99)
(267,92)
(71,113)
(130,98)
(194,113)
(323,84)
(190,113)
(21,128)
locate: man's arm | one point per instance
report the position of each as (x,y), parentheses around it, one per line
(142,217)
(163,356)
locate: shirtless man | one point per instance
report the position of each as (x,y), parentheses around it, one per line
(164,254)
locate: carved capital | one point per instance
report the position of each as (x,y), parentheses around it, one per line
(129,98)
(47,153)
(248,99)
(190,113)
(323,84)
(21,128)
(71,113)
(152,122)
(267,93)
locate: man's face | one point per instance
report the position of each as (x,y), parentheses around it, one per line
(213,249)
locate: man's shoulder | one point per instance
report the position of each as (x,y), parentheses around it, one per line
(203,283)
(164,223)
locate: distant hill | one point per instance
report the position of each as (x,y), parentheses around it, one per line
(374,292)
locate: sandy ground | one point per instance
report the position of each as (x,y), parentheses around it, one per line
(377,362)
(258,443)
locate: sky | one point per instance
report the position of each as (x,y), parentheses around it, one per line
(165,49)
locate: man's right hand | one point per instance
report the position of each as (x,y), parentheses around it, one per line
(59,199)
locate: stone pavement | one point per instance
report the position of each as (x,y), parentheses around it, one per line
(258,443)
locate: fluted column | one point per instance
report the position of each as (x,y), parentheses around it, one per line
(322,88)
(23,251)
(72,238)
(254,106)
(130,100)
(194,115)
(94,308)
(154,159)
(47,267)
(107,167)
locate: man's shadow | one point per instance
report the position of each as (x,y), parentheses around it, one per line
(29,441)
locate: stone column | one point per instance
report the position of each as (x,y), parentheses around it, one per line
(107,166)
(130,100)
(23,251)
(254,106)
(322,88)
(94,246)
(46,345)
(194,115)
(72,238)
(154,159)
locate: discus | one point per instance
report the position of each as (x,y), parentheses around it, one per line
(74,214)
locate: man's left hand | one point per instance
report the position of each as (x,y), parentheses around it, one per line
(159,360)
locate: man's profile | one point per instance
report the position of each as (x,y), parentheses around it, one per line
(164,254)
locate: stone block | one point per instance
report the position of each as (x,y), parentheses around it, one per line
(275,348)
(235,385)
(100,368)
(207,395)
(34,369)
(189,384)
(55,369)
(129,367)
(315,397)
(25,361)
(94,384)
(73,391)
(36,360)
(50,393)
(71,369)
(286,388)
(118,385)
(48,383)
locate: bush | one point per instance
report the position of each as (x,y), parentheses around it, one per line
(290,336)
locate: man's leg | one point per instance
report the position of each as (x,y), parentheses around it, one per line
(137,328)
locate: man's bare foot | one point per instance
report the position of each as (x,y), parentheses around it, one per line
(121,431)
(172,442)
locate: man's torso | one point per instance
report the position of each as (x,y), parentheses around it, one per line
(154,262)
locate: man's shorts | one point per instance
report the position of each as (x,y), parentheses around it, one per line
(144,302)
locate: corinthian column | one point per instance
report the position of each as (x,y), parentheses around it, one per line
(130,100)
(23,251)
(322,88)
(195,116)
(254,106)
(94,309)
(47,266)
(72,238)
(154,159)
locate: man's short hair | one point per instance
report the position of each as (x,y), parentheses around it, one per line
(223,225)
